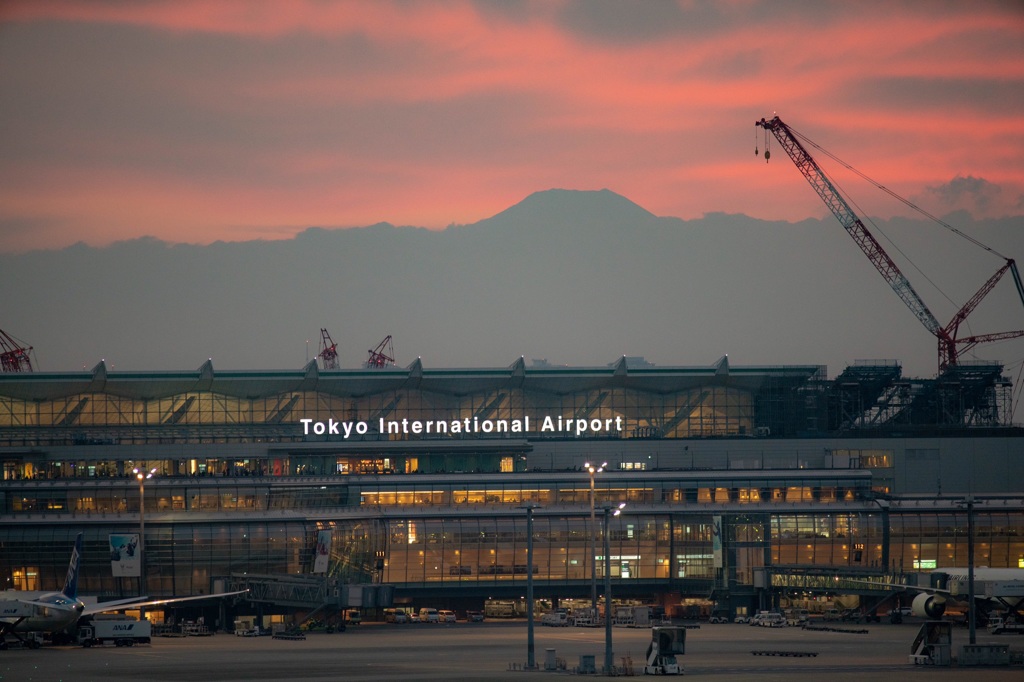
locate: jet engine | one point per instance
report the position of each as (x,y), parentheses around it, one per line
(930,606)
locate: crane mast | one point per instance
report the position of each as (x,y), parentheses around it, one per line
(946,336)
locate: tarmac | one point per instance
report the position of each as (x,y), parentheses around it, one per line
(498,650)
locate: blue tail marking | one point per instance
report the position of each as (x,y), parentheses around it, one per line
(71,581)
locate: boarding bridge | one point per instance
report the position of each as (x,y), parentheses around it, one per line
(310,592)
(875,587)
(865,582)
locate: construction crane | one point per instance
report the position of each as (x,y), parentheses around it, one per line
(328,350)
(14,355)
(383,355)
(951,346)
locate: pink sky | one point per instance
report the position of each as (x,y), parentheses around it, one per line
(204,121)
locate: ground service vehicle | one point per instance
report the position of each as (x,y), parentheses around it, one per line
(117,630)
(667,642)
(555,619)
(999,626)
(772,620)
(797,617)
(446,616)
(429,615)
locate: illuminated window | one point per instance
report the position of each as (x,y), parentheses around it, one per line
(25,578)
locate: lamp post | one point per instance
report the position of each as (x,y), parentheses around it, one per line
(968,503)
(609,657)
(593,469)
(531,661)
(143,476)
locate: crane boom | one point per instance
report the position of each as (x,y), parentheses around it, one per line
(949,344)
(806,164)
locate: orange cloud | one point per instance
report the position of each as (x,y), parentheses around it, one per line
(196,121)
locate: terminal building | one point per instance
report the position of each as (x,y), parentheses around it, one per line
(320,489)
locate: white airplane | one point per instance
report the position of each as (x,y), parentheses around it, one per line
(993,587)
(37,611)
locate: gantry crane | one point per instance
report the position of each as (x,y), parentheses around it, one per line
(328,350)
(383,355)
(14,355)
(950,345)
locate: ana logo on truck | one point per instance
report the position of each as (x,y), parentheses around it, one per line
(124,628)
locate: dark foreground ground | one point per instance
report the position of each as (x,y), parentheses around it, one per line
(492,651)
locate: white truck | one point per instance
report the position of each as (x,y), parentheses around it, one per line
(556,619)
(999,625)
(116,630)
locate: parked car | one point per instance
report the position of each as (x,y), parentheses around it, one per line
(475,616)
(395,616)
(444,616)
(429,615)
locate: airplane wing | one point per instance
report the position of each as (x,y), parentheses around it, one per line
(140,602)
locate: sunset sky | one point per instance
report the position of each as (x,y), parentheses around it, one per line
(238,120)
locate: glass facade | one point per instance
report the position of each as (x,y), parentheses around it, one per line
(421,477)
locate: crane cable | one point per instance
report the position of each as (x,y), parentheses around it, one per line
(860,212)
(893,194)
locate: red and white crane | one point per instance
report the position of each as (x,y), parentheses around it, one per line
(14,355)
(328,350)
(383,355)
(951,346)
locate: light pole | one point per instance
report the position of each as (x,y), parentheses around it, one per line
(143,476)
(593,469)
(531,661)
(609,657)
(968,503)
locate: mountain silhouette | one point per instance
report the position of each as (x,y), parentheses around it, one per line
(577,277)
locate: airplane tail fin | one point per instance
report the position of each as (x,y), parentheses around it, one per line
(71,581)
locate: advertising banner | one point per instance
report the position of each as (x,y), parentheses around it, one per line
(125,557)
(323,551)
(716,539)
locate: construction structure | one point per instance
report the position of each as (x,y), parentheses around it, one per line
(14,355)
(951,345)
(381,356)
(328,351)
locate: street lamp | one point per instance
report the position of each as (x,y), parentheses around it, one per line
(609,511)
(143,476)
(593,469)
(531,661)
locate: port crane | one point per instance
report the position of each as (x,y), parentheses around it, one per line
(328,350)
(383,355)
(951,346)
(14,355)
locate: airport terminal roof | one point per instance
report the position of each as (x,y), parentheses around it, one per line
(543,378)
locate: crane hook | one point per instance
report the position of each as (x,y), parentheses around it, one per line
(767,155)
